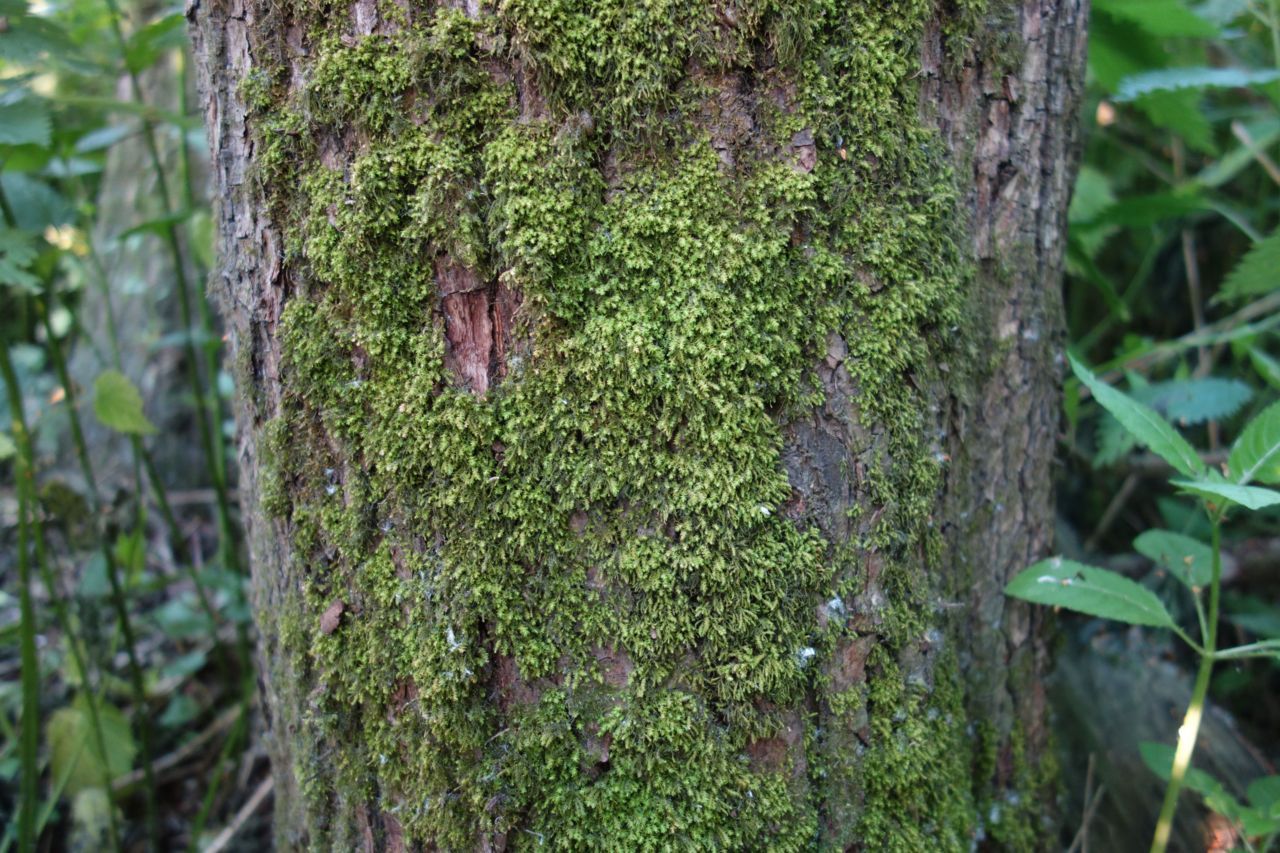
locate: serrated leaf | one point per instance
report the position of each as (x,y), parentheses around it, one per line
(28,38)
(1114,442)
(36,205)
(1173,79)
(17,250)
(1163,18)
(73,746)
(1258,271)
(1065,583)
(1189,560)
(1143,422)
(25,122)
(1256,453)
(1145,210)
(1249,497)
(1195,401)
(118,404)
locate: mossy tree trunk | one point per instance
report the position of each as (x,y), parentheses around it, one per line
(643,404)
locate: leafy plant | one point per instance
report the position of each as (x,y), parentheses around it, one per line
(1100,592)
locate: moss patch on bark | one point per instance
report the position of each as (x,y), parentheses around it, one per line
(563,611)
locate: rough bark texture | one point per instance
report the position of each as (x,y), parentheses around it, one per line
(643,407)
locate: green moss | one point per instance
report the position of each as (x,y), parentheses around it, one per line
(1018,816)
(917,739)
(621,489)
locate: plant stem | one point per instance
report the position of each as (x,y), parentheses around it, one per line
(30,743)
(1275,31)
(1190,728)
(102,282)
(1262,648)
(86,465)
(25,477)
(210,434)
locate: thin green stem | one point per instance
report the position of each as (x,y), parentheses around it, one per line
(86,465)
(25,476)
(30,743)
(234,738)
(1264,648)
(1190,728)
(102,282)
(210,437)
(1275,31)
(117,588)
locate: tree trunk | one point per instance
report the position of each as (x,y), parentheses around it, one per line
(643,405)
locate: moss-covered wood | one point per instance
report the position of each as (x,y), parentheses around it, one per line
(643,405)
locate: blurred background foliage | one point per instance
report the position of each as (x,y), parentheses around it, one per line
(123,584)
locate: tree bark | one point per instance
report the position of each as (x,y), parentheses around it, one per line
(643,406)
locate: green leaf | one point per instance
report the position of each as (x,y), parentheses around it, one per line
(73,747)
(1195,401)
(1180,111)
(101,138)
(1092,195)
(1258,271)
(1249,497)
(1173,79)
(1145,210)
(1256,453)
(182,619)
(1143,422)
(159,226)
(118,404)
(154,40)
(1266,366)
(1064,583)
(17,251)
(1082,264)
(25,122)
(1159,17)
(7,447)
(1222,12)
(1264,795)
(130,554)
(1159,759)
(1265,624)
(1189,560)
(36,205)
(28,39)
(200,233)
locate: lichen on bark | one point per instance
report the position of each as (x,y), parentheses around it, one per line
(615,352)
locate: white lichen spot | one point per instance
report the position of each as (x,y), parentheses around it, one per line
(452,640)
(805,655)
(764,510)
